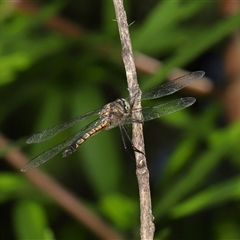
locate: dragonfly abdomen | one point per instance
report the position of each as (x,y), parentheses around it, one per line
(73,147)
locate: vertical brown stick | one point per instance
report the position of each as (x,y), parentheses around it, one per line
(147,226)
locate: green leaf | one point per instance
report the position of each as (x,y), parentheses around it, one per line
(197,43)
(30,221)
(120,209)
(10,185)
(161,22)
(209,198)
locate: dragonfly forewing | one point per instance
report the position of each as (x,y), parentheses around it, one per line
(45,156)
(171,86)
(53,131)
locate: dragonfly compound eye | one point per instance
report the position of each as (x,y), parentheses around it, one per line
(126,105)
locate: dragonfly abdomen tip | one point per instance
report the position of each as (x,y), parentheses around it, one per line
(68,152)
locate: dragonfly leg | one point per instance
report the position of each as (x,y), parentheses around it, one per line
(124,130)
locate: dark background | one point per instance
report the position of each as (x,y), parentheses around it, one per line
(59,59)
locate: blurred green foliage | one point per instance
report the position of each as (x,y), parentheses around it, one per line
(47,77)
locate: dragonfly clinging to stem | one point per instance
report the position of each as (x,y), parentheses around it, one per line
(116,113)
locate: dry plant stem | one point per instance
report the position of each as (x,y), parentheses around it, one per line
(60,195)
(147,226)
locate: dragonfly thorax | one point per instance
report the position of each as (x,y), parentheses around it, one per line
(115,112)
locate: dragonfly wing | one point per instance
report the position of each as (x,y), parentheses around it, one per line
(158,111)
(53,131)
(45,156)
(150,113)
(172,86)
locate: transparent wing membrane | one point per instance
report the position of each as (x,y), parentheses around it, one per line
(53,131)
(45,156)
(172,86)
(150,113)
(116,113)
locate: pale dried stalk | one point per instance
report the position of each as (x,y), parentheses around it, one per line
(147,226)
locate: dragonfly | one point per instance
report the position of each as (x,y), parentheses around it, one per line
(114,114)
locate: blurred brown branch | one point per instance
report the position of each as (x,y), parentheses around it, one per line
(231,94)
(60,195)
(57,23)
